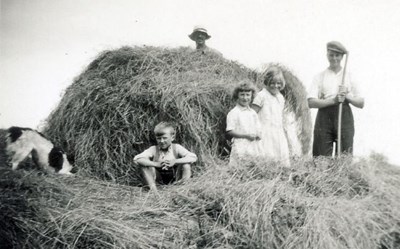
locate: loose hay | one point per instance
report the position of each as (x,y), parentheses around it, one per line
(358,205)
(223,208)
(107,115)
(48,211)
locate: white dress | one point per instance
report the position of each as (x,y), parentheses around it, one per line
(243,120)
(273,141)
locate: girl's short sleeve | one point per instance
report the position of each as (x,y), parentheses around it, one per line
(230,121)
(259,99)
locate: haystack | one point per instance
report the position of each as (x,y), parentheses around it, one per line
(107,115)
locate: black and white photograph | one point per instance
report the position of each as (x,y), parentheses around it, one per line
(199,124)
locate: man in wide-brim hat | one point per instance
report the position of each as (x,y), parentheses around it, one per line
(326,93)
(200,35)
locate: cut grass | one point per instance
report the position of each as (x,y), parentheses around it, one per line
(357,206)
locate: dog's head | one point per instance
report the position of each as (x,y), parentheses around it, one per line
(58,160)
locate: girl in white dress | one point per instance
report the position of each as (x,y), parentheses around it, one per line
(243,126)
(269,104)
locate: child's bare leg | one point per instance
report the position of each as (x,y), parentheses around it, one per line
(149,174)
(184,172)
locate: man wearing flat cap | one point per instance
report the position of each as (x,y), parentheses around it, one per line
(200,35)
(325,94)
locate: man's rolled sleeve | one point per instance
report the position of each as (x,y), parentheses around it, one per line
(355,89)
(313,90)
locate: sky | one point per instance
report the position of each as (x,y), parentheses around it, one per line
(44,44)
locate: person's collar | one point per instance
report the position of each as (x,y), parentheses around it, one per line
(165,150)
(269,93)
(243,107)
(201,47)
(332,71)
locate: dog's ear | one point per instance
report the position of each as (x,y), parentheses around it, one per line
(74,170)
(56,158)
(71,158)
(14,133)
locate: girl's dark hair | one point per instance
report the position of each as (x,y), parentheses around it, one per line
(244,86)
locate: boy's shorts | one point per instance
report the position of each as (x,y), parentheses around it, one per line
(166,176)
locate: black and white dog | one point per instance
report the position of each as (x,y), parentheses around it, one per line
(22,142)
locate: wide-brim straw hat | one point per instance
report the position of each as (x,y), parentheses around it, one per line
(197,29)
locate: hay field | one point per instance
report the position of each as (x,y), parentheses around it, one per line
(106,117)
(316,204)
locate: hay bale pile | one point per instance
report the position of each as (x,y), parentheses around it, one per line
(50,211)
(321,203)
(317,204)
(107,115)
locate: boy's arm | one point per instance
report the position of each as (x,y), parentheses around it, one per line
(144,158)
(187,157)
(148,163)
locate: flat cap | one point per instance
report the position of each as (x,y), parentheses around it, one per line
(336,46)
